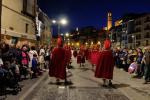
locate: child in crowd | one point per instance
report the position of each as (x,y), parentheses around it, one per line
(15,69)
(34,67)
(42,61)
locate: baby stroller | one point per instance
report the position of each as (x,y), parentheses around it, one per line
(8,81)
(132,68)
(2,78)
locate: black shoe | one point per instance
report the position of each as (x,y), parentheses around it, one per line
(67,82)
(58,82)
(145,82)
(104,85)
(110,83)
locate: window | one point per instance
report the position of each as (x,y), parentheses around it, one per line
(14,40)
(147,19)
(147,42)
(130,40)
(109,14)
(29,7)
(147,27)
(130,47)
(27,25)
(138,36)
(147,35)
(138,29)
(24,6)
(138,23)
(138,43)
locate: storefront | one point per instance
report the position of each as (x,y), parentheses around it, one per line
(12,37)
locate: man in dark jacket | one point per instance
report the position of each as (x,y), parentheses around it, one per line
(146,60)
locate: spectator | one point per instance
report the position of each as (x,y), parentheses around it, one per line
(34,67)
(146,60)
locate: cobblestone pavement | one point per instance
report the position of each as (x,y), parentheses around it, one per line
(78,93)
(27,87)
(85,87)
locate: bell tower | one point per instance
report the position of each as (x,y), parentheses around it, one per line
(109,21)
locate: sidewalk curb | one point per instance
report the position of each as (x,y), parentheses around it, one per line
(33,87)
(133,83)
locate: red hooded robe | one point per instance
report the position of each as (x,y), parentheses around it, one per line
(81,55)
(67,54)
(57,67)
(94,55)
(105,64)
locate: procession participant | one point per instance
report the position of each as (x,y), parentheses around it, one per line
(87,53)
(105,64)
(75,53)
(57,66)
(94,55)
(67,55)
(81,56)
(70,55)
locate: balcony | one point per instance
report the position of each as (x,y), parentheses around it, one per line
(147,20)
(147,28)
(138,23)
(147,35)
(138,37)
(137,30)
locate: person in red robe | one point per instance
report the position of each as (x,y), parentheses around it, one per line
(105,64)
(81,56)
(86,53)
(68,55)
(57,66)
(75,53)
(94,56)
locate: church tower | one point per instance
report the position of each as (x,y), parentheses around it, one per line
(109,21)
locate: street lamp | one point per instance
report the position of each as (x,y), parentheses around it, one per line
(86,43)
(99,42)
(91,42)
(53,21)
(67,34)
(63,21)
(59,23)
(62,34)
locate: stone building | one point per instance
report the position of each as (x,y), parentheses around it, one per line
(132,31)
(18,21)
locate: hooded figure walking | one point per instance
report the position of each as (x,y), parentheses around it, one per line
(57,66)
(105,64)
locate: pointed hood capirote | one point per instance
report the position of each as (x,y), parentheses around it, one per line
(107,44)
(59,41)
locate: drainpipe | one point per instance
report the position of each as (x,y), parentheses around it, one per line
(0,19)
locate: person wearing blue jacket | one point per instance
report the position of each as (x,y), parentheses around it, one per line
(34,67)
